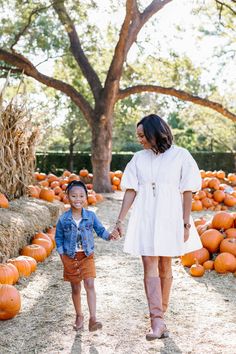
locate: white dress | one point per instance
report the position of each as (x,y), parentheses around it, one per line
(156,222)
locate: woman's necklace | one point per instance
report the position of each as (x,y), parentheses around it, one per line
(152,175)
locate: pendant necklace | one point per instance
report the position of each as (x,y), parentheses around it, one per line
(152,176)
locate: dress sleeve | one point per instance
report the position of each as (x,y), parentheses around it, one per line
(190,175)
(130,179)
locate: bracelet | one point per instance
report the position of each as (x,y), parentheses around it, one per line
(118,221)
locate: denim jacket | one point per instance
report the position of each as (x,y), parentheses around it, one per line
(66,232)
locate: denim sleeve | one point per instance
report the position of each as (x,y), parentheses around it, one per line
(100,229)
(59,237)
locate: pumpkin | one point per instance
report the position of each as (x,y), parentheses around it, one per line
(47,194)
(83,172)
(232,177)
(208,265)
(202,173)
(44,183)
(41,176)
(10,301)
(207,202)
(199,221)
(214,183)
(15,273)
(197,270)
(115,181)
(230,233)
(6,274)
(228,245)
(51,230)
(220,174)
(196,205)
(200,194)
(118,174)
(55,184)
(225,262)
(99,197)
(22,266)
(47,244)
(222,220)
(201,255)
(3,201)
(73,177)
(51,178)
(66,173)
(211,240)
(41,235)
(32,262)
(230,200)
(35,251)
(219,196)
(91,199)
(201,229)
(33,191)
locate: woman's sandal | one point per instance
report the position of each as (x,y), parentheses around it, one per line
(79,322)
(94,325)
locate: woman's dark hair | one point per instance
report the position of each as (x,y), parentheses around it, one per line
(76,183)
(157,132)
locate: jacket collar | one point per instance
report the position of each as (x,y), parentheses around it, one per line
(85,214)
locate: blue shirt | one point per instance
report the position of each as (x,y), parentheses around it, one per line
(66,232)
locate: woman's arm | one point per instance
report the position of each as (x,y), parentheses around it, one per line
(187,206)
(128,199)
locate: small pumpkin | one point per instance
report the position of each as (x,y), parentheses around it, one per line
(83,172)
(3,201)
(47,194)
(222,220)
(208,265)
(228,245)
(211,240)
(196,205)
(199,221)
(197,270)
(201,255)
(219,196)
(35,251)
(225,262)
(10,301)
(229,200)
(115,181)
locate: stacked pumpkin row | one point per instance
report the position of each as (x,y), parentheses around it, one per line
(219,245)
(218,191)
(50,187)
(22,266)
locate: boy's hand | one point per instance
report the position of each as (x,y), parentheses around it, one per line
(114,235)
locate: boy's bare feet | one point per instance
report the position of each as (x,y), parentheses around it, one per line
(94,325)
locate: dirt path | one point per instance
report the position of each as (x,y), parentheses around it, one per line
(201,316)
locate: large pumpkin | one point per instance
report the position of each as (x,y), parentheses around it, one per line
(228,245)
(15,273)
(47,244)
(35,251)
(22,266)
(211,240)
(32,262)
(225,262)
(201,255)
(6,275)
(222,220)
(10,301)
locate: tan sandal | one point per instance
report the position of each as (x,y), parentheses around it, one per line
(94,325)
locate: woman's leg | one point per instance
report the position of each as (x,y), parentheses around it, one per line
(165,273)
(152,285)
(91,299)
(76,297)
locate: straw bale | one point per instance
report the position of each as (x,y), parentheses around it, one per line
(24,218)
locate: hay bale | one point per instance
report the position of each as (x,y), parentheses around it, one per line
(24,218)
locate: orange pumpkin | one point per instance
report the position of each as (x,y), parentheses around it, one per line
(199,221)
(73,177)
(207,202)
(22,266)
(66,173)
(222,220)
(225,262)
(33,191)
(214,183)
(47,194)
(51,178)
(201,194)
(118,174)
(35,251)
(220,174)
(115,181)
(32,262)
(228,245)
(99,197)
(91,199)
(196,205)
(197,270)
(47,244)
(83,172)
(208,265)
(6,275)
(41,235)
(41,176)
(230,200)
(211,240)
(230,233)
(219,196)
(201,255)
(3,201)
(232,177)
(15,273)
(10,301)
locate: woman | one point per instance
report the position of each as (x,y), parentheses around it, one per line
(159,181)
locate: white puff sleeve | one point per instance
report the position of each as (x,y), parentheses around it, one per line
(130,179)
(190,175)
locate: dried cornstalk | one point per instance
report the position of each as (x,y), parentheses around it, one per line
(17,147)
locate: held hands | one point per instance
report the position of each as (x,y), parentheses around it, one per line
(117,232)
(114,235)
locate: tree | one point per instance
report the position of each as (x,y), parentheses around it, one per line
(97,104)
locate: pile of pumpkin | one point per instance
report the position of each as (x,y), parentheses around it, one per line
(218,238)
(22,266)
(218,191)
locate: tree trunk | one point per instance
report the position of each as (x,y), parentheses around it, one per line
(102,153)
(71,157)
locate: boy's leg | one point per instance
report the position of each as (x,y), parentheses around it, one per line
(91,299)
(76,297)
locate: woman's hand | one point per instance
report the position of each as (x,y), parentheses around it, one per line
(186,234)
(114,235)
(119,227)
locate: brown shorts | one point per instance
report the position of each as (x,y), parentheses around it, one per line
(78,268)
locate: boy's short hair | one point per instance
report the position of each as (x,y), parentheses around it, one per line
(76,183)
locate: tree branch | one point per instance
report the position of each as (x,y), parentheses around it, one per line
(76,49)
(21,33)
(29,69)
(222,4)
(182,95)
